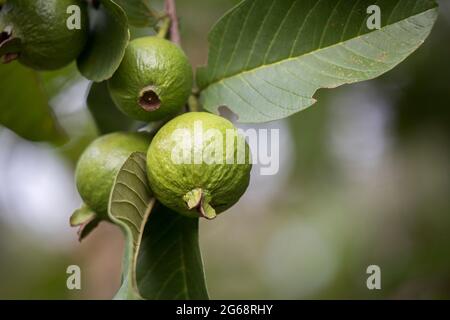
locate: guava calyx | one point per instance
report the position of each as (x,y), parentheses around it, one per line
(4,36)
(195,199)
(149,99)
(207,211)
(9,46)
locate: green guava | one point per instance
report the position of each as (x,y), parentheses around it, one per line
(36,32)
(153,81)
(99,164)
(198,165)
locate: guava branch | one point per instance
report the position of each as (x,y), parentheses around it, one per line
(172,13)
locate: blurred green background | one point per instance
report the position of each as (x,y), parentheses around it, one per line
(364,179)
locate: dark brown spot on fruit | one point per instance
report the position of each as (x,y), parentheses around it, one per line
(7,42)
(149,100)
(4,36)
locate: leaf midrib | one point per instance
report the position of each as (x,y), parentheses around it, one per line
(149,209)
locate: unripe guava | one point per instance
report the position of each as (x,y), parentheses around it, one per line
(35,32)
(198,164)
(100,163)
(153,81)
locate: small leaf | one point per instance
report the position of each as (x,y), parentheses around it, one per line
(107,117)
(268,58)
(130,204)
(107,42)
(170,264)
(139,12)
(81,216)
(86,220)
(24,105)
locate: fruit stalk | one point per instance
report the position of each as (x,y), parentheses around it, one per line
(193,103)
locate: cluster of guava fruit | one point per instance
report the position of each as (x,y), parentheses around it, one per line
(191,189)
(152,83)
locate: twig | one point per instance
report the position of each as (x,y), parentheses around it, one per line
(193,104)
(164,28)
(172,12)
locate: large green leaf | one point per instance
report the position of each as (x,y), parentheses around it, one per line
(170,264)
(24,104)
(139,12)
(268,57)
(169,258)
(107,42)
(107,117)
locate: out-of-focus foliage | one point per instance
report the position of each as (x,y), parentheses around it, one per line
(107,117)
(107,41)
(24,104)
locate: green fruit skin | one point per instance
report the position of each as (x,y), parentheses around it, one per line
(157,63)
(47,43)
(223,184)
(99,164)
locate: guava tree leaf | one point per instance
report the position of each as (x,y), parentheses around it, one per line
(86,220)
(108,39)
(161,252)
(139,12)
(81,216)
(107,117)
(268,58)
(24,105)
(170,265)
(130,204)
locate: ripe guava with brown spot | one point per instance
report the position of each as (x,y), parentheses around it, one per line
(154,80)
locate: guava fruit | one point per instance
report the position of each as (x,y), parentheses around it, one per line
(153,81)
(36,33)
(198,165)
(99,164)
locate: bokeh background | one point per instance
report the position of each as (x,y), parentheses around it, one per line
(364,179)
